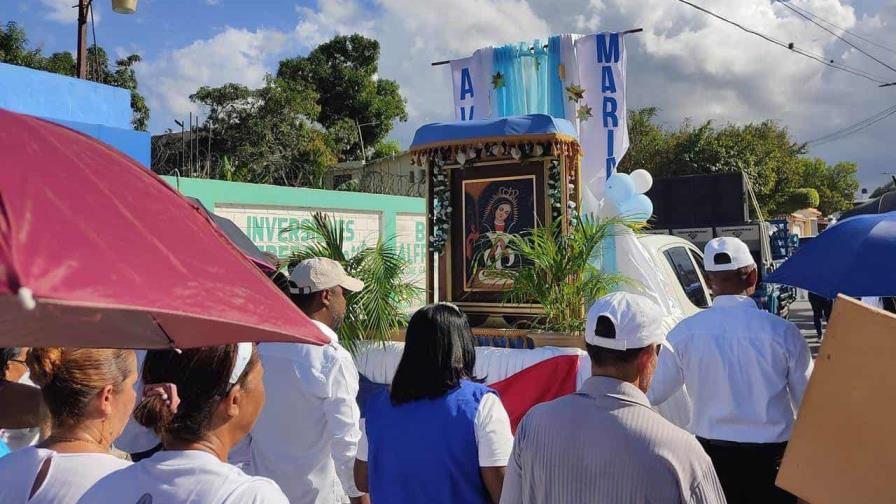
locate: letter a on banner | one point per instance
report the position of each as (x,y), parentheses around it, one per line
(470,86)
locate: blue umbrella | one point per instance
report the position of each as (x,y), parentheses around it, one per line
(856,257)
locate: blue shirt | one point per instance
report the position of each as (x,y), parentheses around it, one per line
(425,451)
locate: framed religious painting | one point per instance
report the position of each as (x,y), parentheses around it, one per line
(496,201)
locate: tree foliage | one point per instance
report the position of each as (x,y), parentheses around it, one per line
(836,184)
(14,50)
(763,151)
(303,120)
(558,270)
(269,133)
(343,73)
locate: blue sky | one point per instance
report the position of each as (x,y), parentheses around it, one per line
(685,63)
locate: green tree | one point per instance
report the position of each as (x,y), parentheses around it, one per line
(343,72)
(386,148)
(836,184)
(14,50)
(270,130)
(764,152)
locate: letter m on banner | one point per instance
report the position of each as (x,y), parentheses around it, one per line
(608,48)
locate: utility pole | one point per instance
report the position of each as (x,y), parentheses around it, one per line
(361,139)
(83,10)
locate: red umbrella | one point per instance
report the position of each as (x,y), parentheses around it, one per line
(97,251)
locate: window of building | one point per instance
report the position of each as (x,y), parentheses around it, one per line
(412,177)
(683,265)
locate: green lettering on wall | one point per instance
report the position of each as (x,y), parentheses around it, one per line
(254,228)
(421,232)
(282,222)
(349,227)
(293,235)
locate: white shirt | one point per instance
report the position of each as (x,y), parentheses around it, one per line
(69,476)
(21,438)
(745,369)
(183,477)
(307,434)
(494,439)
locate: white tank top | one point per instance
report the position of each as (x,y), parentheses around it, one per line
(70,475)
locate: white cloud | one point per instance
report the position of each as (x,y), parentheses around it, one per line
(212,2)
(686,63)
(61,11)
(234,55)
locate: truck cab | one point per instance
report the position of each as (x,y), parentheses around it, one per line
(681,264)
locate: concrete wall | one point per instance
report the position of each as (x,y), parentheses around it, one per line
(261,211)
(98,110)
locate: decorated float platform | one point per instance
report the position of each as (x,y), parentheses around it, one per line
(489,179)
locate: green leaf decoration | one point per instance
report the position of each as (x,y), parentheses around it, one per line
(584,112)
(575,92)
(498,80)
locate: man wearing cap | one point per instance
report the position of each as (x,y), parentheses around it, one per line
(745,371)
(604,443)
(307,434)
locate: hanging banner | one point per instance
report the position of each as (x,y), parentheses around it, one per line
(603,129)
(471,85)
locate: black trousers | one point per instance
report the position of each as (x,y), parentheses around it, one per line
(747,471)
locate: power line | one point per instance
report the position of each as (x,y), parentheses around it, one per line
(825,28)
(854,128)
(791,46)
(856,35)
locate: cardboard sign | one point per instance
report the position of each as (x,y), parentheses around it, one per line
(843,446)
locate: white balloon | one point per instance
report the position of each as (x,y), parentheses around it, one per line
(643,181)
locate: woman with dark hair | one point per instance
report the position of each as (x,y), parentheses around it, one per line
(89,394)
(438,435)
(200,402)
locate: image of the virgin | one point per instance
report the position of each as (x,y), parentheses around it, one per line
(498,219)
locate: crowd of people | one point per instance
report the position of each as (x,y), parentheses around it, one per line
(280,422)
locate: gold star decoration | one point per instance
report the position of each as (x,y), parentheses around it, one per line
(575,92)
(498,80)
(584,112)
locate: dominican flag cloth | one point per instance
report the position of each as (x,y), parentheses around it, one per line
(522,378)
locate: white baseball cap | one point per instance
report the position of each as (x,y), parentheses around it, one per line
(319,273)
(638,321)
(726,254)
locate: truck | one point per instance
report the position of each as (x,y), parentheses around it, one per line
(698,208)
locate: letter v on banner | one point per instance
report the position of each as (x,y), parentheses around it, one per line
(604,135)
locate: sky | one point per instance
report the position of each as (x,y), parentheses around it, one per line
(689,65)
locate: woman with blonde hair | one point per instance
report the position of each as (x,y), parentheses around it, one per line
(200,402)
(90,395)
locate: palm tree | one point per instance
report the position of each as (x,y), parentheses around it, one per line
(379,310)
(558,271)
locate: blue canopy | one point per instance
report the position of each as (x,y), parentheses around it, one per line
(853,257)
(535,125)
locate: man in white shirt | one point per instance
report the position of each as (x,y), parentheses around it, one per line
(746,371)
(307,434)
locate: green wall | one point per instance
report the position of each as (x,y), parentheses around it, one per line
(214,192)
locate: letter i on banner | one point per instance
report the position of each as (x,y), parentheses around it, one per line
(463,90)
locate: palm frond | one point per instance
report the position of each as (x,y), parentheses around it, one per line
(558,270)
(378,311)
